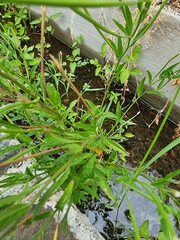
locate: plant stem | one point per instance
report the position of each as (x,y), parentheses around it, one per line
(75,3)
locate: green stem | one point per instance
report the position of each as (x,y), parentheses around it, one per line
(75,3)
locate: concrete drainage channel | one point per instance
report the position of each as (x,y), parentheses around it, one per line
(79,227)
(159,44)
(153,56)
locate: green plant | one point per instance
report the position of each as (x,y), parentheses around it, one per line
(72,149)
(14,21)
(49,128)
(124,44)
(48,29)
(76,59)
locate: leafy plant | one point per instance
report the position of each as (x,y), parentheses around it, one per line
(48,29)
(75,60)
(73,152)
(68,144)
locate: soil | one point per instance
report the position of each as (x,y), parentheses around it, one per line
(144,134)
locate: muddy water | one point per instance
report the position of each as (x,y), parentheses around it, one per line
(110,224)
(114,224)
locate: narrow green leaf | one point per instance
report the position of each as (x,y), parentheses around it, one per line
(140,5)
(129,135)
(18,105)
(51,190)
(9,149)
(64,223)
(14,212)
(163,151)
(104,115)
(167,179)
(135,53)
(140,87)
(66,196)
(124,75)
(120,26)
(38,218)
(115,146)
(118,111)
(9,107)
(28,171)
(103,50)
(106,188)
(81,158)
(119,48)
(140,34)
(54,94)
(128,18)
(149,77)
(73,66)
(56,15)
(136,232)
(136,72)
(144,11)
(155,92)
(112,44)
(36,21)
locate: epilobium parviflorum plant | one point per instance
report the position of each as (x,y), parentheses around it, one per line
(69,152)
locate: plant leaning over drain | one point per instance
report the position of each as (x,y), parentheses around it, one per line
(67,143)
(72,150)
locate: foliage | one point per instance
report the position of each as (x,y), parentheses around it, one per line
(73,153)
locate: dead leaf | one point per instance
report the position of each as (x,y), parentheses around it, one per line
(176,82)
